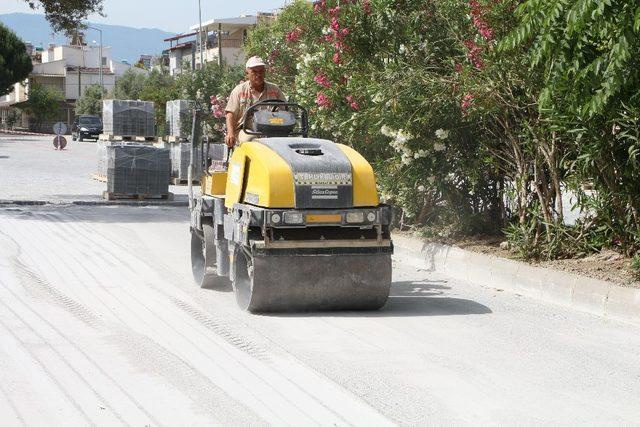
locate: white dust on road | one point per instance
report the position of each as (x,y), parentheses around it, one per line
(101,323)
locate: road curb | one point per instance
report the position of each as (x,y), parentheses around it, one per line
(14,132)
(593,296)
(93,203)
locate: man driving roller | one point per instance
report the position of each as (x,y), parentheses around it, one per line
(247,93)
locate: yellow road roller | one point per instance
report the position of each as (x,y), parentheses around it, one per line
(292,223)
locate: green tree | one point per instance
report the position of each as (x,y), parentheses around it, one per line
(43,103)
(129,85)
(591,99)
(159,88)
(13,116)
(15,64)
(204,83)
(66,15)
(91,101)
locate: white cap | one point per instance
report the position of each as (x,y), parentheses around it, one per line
(255,61)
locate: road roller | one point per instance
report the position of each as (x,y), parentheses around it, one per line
(290,222)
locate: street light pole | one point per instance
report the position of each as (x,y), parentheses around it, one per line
(100,62)
(200,33)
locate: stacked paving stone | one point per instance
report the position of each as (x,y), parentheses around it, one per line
(180,158)
(136,169)
(128,118)
(178,118)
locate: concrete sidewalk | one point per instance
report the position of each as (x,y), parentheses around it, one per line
(594,296)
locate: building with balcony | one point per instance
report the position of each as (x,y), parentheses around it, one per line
(222,39)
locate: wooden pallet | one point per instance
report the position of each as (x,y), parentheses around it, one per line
(176,139)
(114,196)
(178,181)
(161,144)
(99,177)
(128,138)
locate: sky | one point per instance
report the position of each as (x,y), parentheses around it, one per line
(170,15)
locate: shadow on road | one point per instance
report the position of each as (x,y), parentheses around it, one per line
(410,299)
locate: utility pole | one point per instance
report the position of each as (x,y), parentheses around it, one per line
(220,44)
(200,33)
(100,62)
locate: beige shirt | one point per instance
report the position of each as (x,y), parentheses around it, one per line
(242,97)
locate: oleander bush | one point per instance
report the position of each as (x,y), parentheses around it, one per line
(479,116)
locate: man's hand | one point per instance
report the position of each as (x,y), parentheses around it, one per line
(230,139)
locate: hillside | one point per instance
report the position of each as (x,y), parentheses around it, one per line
(126,43)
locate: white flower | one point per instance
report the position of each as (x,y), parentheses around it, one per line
(402,49)
(378,98)
(402,136)
(420,153)
(442,134)
(438,147)
(431,179)
(387,131)
(421,188)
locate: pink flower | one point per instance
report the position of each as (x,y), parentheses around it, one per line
(352,102)
(322,80)
(294,35)
(328,38)
(217,106)
(335,25)
(336,58)
(366,6)
(474,53)
(323,100)
(319,6)
(458,68)
(467,101)
(218,113)
(477,15)
(334,11)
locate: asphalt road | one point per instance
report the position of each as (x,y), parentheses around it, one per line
(101,323)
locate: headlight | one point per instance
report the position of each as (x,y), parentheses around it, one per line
(355,217)
(293,218)
(275,218)
(371,216)
(84,130)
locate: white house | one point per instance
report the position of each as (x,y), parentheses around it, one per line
(71,69)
